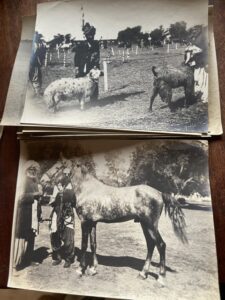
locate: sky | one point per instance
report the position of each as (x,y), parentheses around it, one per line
(109,17)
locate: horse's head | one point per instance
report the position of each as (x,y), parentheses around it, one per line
(79,170)
(62,166)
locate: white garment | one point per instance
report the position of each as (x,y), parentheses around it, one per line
(201,83)
(34,221)
(53,227)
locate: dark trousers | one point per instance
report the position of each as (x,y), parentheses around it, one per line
(35,77)
(95,94)
(30,248)
(67,250)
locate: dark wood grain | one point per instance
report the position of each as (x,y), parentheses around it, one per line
(10,28)
(217,147)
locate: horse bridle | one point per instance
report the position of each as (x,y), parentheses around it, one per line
(50,177)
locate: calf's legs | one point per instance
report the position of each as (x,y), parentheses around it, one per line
(164,90)
(154,94)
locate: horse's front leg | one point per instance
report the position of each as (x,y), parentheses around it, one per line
(150,246)
(93,268)
(84,244)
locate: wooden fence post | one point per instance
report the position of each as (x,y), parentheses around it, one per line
(168,48)
(64,57)
(105,70)
(46,58)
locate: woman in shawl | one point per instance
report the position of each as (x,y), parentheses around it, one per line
(28,214)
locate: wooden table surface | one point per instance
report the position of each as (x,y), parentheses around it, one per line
(10,28)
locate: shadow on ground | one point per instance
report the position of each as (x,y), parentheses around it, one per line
(41,254)
(121,261)
(114,98)
(67,106)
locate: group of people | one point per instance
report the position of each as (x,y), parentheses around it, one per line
(29,215)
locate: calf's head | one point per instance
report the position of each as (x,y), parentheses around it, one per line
(94,74)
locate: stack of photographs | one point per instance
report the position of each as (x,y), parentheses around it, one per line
(111,99)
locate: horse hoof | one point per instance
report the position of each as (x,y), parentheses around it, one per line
(161,280)
(92,271)
(79,272)
(142,275)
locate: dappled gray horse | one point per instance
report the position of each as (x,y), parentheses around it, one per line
(98,202)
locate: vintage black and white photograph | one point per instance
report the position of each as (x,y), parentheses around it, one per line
(122,65)
(114,218)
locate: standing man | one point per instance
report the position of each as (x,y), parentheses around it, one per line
(63,223)
(87,55)
(37,56)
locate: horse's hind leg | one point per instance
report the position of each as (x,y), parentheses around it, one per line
(84,244)
(161,246)
(93,243)
(150,246)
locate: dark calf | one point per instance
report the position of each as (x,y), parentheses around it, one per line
(167,78)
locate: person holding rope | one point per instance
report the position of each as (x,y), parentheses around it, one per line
(87,55)
(62,223)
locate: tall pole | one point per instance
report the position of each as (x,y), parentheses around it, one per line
(82,17)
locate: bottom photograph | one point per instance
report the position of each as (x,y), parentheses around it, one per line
(126,219)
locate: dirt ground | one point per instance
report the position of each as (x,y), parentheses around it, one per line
(121,249)
(125,105)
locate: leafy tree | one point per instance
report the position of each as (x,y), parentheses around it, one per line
(67,38)
(129,35)
(144,38)
(57,40)
(157,36)
(178,31)
(117,174)
(168,170)
(198,35)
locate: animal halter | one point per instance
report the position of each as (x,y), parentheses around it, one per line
(50,177)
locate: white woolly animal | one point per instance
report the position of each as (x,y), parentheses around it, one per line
(66,89)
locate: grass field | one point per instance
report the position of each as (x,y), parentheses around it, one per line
(191,269)
(125,105)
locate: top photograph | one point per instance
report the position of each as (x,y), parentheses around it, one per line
(121,65)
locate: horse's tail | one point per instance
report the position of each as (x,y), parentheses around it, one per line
(174,210)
